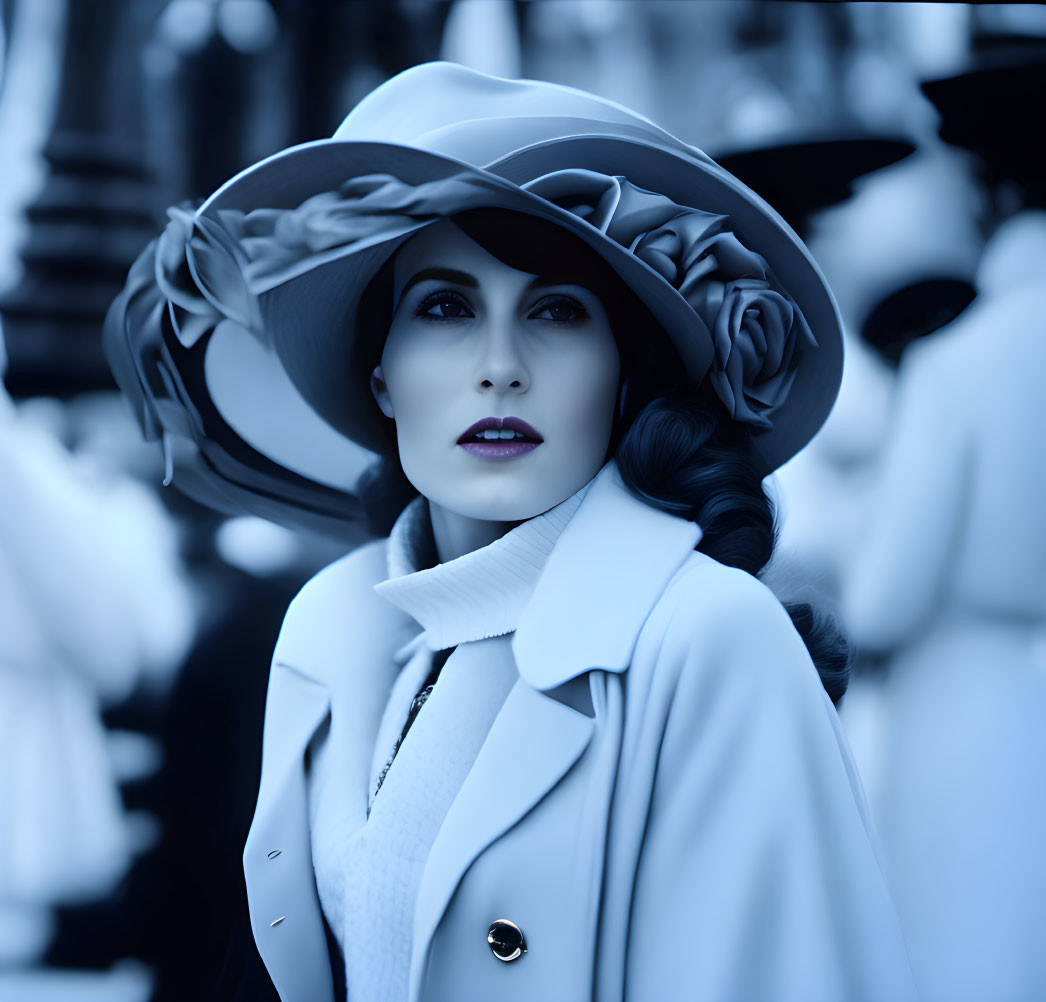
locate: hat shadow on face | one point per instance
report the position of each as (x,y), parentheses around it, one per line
(650,363)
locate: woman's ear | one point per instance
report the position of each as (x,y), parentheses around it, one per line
(381,391)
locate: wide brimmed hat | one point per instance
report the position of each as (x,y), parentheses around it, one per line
(236,336)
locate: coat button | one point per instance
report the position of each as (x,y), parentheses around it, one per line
(506,940)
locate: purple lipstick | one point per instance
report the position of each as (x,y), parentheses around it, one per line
(499,438)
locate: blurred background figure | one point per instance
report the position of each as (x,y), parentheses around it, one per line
(950,584)
(93,607)
(901,256)
(949,581)
(131,706)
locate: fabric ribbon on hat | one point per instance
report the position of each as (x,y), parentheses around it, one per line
(199,267)
(183,285)
(214,269)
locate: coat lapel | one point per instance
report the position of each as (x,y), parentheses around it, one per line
(285,912)
(532,743)
(337,634)
(608,568)
(340,636)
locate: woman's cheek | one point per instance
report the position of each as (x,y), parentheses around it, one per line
(419,383)
(595,396)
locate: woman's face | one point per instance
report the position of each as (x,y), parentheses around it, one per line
(502,384)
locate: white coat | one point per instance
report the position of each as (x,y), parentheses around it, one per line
(951,583)
(665,804)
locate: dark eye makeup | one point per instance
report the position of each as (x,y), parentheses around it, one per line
(443,305)
(448,305)
(559,310)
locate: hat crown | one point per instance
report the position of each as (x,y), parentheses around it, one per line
(455,111)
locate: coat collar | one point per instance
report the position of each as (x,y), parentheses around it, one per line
(608,568)
(480,594)
(610,563)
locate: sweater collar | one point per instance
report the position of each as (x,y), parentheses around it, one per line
(478,595)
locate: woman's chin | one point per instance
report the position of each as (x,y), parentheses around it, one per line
(496,509)
(509,500)
(512,490)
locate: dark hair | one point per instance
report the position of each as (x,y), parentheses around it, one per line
(682,457)
(675,447)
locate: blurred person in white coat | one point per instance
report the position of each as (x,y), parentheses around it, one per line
(950,583)
(92,605)
(908,224)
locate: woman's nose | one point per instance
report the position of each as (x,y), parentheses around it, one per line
(501,367)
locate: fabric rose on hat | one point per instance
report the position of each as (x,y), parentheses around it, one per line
(757,330)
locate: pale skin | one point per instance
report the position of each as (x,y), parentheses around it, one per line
(472,338)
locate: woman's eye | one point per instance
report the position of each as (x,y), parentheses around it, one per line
(443,306)
(560,310)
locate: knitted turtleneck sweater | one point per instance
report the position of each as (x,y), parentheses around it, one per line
(368,876)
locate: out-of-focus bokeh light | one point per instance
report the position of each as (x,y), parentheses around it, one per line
(187,24)
(247,25)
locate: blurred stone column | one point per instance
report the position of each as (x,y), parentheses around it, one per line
(6,20)
(96,209)
(342,51)
(218,92)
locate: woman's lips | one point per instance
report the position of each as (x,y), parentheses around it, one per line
(499,449)
(500,424)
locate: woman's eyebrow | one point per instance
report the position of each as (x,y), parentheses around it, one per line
(440,275)
(544,282)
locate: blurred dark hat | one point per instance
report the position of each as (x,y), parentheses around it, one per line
(994,110)
(801,177)
(914,311)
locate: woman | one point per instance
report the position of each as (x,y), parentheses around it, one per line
(534,744)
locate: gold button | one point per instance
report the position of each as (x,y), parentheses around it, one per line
(506,940)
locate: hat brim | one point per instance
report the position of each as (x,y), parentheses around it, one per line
(210,458)
(984,110)
(804,177)
(316,356)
